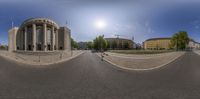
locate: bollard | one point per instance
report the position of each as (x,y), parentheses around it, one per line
(39,58)
(61,56)
(102,57)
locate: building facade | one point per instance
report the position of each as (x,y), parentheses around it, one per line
(119,43)
(193,45)
(12,39)
(39,34)
(82,45)
(157,44)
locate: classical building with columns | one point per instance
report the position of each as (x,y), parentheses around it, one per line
(39,34)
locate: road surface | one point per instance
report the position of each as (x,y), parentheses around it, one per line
(87,77)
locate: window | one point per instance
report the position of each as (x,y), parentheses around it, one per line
(39,36)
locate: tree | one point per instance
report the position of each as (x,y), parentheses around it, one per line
(99,43)
(179,40)
(74,44)
(89,45)
(3,47)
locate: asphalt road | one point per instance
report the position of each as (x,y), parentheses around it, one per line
(87,77)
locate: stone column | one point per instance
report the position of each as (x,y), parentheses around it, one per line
(34,37)
(53,39)
(56,41)
(25,38)
(45,36)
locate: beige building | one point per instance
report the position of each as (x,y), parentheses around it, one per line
(39,34)
(157,44)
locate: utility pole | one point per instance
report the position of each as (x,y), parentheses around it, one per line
(176,44)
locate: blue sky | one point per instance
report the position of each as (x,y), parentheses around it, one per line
(142,19)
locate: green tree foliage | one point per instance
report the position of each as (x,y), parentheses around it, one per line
(179,40)
(100,43)
(3,47)
(90,45)
(74,44)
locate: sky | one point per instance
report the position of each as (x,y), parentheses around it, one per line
(138,19)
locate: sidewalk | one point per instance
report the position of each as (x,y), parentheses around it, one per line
(197,52)
(141,62)
(40,59)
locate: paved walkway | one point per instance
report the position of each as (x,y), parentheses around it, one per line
(40,59)
(141,62)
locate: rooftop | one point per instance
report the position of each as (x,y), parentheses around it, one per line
(164,38)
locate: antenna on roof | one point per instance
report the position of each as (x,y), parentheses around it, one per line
(117,35)
(12,22)
(66,23)
(132,38)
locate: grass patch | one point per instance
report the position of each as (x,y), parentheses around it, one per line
(140,51)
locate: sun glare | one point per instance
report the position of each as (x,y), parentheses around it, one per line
(100,24)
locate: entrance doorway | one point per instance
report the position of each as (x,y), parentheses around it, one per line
(39,47)
(48,47)
(29,47)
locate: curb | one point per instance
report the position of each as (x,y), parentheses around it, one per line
(125,68)
(68,58)
(197,52)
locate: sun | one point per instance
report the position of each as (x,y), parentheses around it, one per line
(100,24)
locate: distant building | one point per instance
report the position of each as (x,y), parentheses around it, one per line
(138,46)
(82,45)
(157,44)
(39,34)
(119,43)
(192,45)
